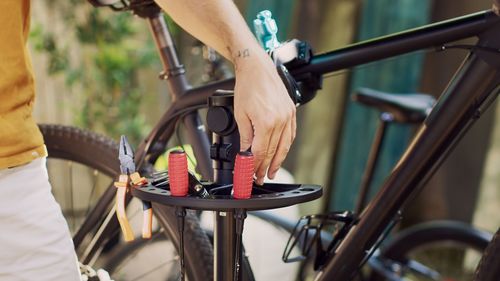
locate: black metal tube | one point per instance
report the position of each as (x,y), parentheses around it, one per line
(225,146)
(457,107)
(371,163)
(224,246)
(173,69)
(400,43)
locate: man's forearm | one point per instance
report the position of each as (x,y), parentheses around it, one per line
(217,23)
(264,112)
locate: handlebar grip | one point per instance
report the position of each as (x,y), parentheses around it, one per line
(178,173)
(243,175)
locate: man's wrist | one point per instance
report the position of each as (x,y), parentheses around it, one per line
(250,57)
(242,54)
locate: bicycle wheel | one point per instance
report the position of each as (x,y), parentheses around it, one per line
(440,250)
(489,266)
(81,167)
(116,259)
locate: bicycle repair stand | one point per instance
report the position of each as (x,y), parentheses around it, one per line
(229,212)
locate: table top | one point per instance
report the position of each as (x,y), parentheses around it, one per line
(268,196)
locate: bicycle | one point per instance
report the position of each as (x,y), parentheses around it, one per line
(417,163)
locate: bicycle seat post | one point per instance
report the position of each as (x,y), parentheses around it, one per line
(225,146)
(384,119)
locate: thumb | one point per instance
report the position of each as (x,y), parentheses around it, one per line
(246,132)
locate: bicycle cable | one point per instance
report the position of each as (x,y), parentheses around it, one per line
(181,142)
(155,139)
(216,189)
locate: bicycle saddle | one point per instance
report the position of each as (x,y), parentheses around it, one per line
(407,108)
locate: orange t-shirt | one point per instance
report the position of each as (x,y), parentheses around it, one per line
(20,138)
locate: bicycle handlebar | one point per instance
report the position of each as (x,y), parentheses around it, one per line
(404,42)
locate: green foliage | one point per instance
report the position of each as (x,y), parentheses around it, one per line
(102,27)
(102,59)
(46,42)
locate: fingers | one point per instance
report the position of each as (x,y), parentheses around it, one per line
(274,143)
(265,116)
(264,141)
(282,150)
(246,132)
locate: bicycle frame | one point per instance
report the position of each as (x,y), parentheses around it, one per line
(471,90)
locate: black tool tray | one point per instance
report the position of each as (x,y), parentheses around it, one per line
(268,196)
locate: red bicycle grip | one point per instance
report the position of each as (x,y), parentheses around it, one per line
(178,173)
(243,175)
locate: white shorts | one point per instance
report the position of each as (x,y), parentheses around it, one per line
(35,243)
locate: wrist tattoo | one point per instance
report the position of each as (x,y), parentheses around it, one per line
(243,53)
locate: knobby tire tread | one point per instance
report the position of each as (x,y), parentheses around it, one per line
(489,266)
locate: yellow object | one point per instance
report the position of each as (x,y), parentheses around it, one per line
(147,224)
(120,184)
(20,139)
(137,179)
(121,192)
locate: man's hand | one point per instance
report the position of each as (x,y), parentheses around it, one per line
(264,111)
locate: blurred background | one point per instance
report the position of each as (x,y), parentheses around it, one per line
(98,69)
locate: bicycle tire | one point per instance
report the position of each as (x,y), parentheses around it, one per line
(129,248)
(432,233)
(100,153)
(489,266)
